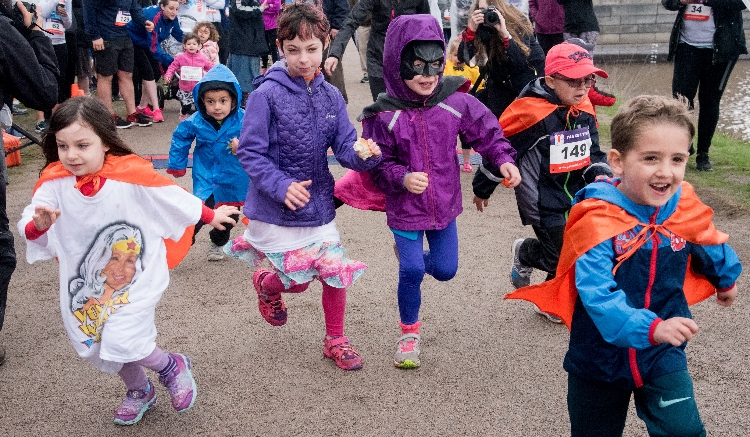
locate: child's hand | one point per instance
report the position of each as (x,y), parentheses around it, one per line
(297,195)
(481,203)
(167,79)
(416,182)
(675,331)
(149,26)
(233,145)
(222,215)
(511,173)
(44,217)
(726,298)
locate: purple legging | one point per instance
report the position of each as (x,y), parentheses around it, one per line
(134,376)
(334,301)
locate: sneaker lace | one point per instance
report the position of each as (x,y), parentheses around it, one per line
(345,350)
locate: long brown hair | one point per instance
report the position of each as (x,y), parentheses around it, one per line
(91,113)
(517,24)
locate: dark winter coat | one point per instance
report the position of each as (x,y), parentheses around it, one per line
(285,138)
(247,36)
(382,12)
(421,137)
(729,39)
(544,198)
(28,66)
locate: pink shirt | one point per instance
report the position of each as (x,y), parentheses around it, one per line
(188,60)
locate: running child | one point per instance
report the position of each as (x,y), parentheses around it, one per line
(552,126)
(416,124)
(637,251)
(208,36)
(454,67)
(218,177)
(296,118)
(191,65)
(114,226)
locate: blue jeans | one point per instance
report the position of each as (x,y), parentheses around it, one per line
(245,68)
(440,262)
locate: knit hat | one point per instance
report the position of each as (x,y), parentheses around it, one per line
(571,61)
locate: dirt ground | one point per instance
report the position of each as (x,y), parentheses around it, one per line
(489,367)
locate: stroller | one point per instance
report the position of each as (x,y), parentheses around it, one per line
(168,91)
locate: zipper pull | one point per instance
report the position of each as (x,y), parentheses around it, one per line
(309,90)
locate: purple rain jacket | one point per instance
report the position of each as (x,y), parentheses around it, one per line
(418,134)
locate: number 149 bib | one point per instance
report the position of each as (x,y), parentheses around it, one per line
(569,150)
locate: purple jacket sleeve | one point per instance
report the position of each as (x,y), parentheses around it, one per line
(346,136)
(254,148)
(389,174)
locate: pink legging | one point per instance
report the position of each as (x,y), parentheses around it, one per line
(134,376)
(334,301)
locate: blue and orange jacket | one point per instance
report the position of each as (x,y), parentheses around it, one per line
(626,267)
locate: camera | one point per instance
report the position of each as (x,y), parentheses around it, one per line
(18,17)
(491,16)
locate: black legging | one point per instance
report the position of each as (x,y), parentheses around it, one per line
(217,237)
(694,66)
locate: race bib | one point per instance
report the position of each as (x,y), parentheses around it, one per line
(697,12)
(54,26)
(123,18)
(569,150)
(191,73)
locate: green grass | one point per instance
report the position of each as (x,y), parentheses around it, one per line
(727,187)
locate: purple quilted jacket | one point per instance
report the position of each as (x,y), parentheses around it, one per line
(286,133)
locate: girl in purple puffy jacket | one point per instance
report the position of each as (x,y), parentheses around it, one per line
(296,117)
(416,124)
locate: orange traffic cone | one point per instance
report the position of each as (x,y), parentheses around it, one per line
(75,91)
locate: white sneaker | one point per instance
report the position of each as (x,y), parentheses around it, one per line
(550,317)
(215,253)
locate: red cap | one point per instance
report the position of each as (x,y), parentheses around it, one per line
(571,61)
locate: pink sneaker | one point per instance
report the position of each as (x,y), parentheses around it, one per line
(146,111)
(180,383)
(340,351)
(272,307)
(136,403)
(466,169)
(158,117)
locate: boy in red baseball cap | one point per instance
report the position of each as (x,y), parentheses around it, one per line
(552,127)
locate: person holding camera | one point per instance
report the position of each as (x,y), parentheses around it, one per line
(29,71)
(500,39)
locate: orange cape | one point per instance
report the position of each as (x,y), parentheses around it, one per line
(134,170)
(528,111)
(594,221)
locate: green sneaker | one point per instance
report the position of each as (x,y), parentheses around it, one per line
(407,351)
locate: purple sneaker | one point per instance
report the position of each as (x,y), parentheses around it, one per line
(135,404)
(180,383)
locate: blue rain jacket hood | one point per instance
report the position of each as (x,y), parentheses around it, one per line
(219,73)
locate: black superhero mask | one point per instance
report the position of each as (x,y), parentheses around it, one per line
(424,58)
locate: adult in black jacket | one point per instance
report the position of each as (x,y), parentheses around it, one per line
(580,21)
(336,12)
(707,38)
(507,52)
(382,12)
(28,68)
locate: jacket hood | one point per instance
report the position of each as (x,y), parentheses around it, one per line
(403,30)
(279,73)
(538,88)
(219,73)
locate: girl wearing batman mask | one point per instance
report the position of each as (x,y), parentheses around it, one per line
(416,123)
(502,43)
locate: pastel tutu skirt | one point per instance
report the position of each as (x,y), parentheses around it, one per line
(324,260)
